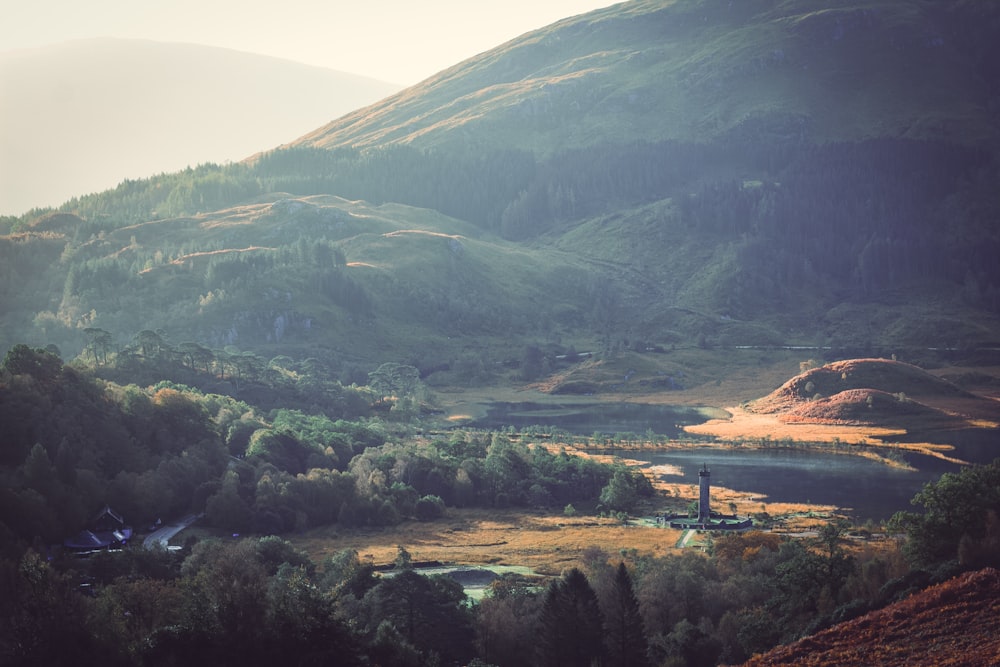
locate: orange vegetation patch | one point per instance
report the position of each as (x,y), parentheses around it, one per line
(544,542)
(752,425)
(954,623)
(190,257)
(421,232)
(877,392)
(892,377)
(744,426)
(863,406)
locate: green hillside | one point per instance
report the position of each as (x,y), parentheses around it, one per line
(649,175)
(698,70)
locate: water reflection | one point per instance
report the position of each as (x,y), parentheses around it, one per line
(862,488)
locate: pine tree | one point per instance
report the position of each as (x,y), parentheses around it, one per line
(571,624)
(625,637)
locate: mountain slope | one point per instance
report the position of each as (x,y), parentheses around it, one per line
(312,276)
(653,69)
(647,176)
(81,116)
(953,623)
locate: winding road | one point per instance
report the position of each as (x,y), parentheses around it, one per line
(164,533)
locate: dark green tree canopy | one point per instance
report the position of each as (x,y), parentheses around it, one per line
(571,624)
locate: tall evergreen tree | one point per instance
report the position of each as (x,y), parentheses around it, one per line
(571,632)
(625,636)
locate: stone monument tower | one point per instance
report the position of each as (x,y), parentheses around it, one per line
(704,486)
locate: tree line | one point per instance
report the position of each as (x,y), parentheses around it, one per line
(255,600)
(75,443)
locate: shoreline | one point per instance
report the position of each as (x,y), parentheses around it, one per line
(743,425)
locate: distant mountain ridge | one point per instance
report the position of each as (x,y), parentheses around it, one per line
(82,116)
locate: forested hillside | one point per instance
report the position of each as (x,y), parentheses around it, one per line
(246,596)
(298,451)
(621,241)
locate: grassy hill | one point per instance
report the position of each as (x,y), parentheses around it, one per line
(881,375)
(876,392)
(649,70)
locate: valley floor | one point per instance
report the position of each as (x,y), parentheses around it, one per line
(550,542)
(545,542)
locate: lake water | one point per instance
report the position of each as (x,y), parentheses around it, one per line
(863,488)
(590,418)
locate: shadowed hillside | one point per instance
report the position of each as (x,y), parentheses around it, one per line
(953,623)
(647,177)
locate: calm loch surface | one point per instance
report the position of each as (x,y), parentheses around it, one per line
(863,488)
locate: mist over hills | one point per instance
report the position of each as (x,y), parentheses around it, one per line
(649,175)
(82,116)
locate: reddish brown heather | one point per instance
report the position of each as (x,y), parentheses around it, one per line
(878,393)
(953,623)
(870,406)
(892,377)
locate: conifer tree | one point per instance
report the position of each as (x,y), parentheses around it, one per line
(625,637)
(571,624)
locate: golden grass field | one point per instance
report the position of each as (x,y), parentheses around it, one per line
(547,542)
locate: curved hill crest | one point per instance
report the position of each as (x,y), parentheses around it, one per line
(867,375)
(650,70)
(871,391)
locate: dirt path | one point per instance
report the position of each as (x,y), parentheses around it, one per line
(165,533)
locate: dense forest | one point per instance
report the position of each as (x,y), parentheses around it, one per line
(75,442)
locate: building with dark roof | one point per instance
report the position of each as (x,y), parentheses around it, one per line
(107,530)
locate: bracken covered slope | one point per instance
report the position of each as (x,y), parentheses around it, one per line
(953,623)
(879,374)
(877,392)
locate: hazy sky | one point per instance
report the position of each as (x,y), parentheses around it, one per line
(398,41)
